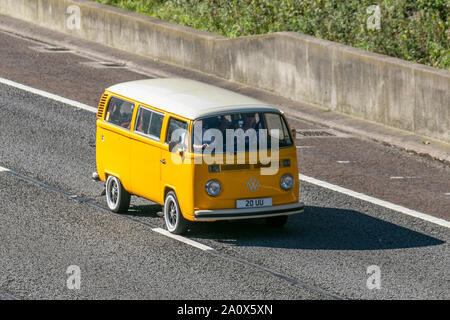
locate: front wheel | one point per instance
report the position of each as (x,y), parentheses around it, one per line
(117,198)
(175,222)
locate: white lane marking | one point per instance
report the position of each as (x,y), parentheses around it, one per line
(381,203)
(399,177)
(166,233)
(4,169)
(190,242)
(343,161)
(94,110)
(48,95)
(323,184)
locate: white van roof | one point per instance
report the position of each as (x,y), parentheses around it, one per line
(188,98)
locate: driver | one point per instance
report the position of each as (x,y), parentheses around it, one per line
(209,123)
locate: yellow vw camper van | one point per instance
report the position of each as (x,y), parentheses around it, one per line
(204,153)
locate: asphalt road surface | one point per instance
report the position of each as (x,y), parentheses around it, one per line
(53,217)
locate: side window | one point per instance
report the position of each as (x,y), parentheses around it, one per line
(156,124)
(177,132)
(119,112)
(275,121)
(149,122)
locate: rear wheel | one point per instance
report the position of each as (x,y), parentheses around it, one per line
(117,198)
(175,222)
(278,221)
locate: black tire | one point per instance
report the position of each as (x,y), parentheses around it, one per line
(276,222)
(117,198)
(175,222)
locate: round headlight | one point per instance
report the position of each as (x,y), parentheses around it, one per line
(287,182)
(213,188)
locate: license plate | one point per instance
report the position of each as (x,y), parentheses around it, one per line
(253,203)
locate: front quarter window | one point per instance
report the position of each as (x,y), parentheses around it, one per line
(177,133)
(276,121)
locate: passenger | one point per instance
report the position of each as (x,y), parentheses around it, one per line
(224,125)
(114,116)
(125,115)
(140,122)
(249,121)
(209,123)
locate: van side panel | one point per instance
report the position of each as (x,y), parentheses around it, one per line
(180,178)
(234,181)
(99,152)
(113,153)
(145,168)
(177,173)
(99,134)
(113,148)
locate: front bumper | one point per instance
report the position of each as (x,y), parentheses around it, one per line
(264,212)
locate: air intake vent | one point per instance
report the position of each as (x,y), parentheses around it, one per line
(101,105)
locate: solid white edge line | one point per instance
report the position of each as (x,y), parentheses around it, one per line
(161,231)
(48,95)
(94,110)
(190,242)
(381,203)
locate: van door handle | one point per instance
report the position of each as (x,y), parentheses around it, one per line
(163,161)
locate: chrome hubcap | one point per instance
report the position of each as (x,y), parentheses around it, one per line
(172,214)
(113,193)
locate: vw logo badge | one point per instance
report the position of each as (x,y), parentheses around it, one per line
(252,185)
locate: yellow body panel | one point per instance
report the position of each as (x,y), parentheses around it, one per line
(113,153)
(145,168)
(148,169)
(177,174)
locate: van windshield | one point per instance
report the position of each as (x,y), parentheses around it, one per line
(241,132)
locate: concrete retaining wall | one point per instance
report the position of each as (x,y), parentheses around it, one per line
(385,90)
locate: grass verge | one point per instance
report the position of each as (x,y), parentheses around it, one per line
(413,30)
